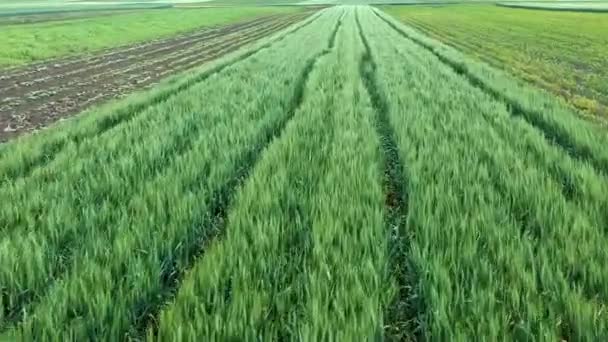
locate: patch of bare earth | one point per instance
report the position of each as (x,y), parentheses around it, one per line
(38,95)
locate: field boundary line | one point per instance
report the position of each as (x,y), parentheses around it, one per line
(400,322)
(222,202)
(553,135)
(114,113)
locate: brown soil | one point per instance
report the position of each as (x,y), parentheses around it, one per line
(40,94)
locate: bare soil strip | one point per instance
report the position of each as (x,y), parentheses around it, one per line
(400,315)
(35,96)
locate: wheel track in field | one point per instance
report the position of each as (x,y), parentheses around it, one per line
(60,93)
(50,148)
(222,199)
(553,135)
(400,315)
(219,205)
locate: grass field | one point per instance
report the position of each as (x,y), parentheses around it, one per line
(574,6)
(381,185)
(564,52)
(28,43)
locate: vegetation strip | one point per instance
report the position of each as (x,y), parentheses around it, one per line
(365,190)
(219,209)
(400,317)
(553,133)
(548,6)
(184,219)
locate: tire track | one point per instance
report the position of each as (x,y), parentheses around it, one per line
(401,314)
(533,226)
(568,183)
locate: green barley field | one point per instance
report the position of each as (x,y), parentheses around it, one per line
(348,178)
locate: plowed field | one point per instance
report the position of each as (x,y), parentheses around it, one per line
(40,94)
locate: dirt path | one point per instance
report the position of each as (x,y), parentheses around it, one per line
(35,96)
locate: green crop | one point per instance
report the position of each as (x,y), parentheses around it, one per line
(346,179)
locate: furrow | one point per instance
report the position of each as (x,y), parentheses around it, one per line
(65,98)
(400,315)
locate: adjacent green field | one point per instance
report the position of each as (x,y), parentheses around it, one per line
(380,186)
(564,52)
(34,42)
(575,6)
